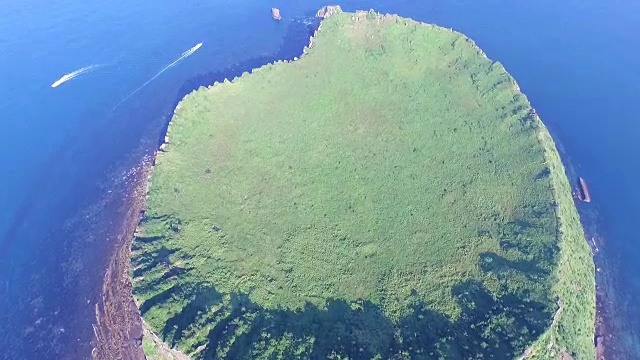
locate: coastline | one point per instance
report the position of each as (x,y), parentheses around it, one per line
(592,223)
(573,245)
(568,214)
(605,283)
(120,329)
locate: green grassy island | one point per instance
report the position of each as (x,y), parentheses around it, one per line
(389,195)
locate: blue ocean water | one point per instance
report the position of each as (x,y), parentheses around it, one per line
(67,152)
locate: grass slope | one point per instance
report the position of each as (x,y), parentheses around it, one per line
(390,195)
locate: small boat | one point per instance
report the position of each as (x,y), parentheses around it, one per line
(275,13)
(583,191)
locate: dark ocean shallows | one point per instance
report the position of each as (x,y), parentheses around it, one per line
(67,152)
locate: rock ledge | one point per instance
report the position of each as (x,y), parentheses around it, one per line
(328,11)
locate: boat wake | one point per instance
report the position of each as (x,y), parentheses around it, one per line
(74,74)
(184,55)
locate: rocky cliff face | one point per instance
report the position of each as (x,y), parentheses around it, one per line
(328,11)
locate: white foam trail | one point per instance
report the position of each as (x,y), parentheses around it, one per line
(184,55)
(71,75)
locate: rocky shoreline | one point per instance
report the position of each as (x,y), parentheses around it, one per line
(118,329)
(605,330)
(591,222)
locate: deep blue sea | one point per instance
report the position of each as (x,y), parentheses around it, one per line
(66,152)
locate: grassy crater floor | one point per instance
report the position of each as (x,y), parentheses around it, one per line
(391,194)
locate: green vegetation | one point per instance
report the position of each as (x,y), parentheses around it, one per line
(149,348)
(392,194)
(155,349)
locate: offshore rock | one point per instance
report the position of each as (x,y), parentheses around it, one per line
(275,13)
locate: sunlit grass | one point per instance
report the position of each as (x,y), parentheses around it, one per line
(389,194)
